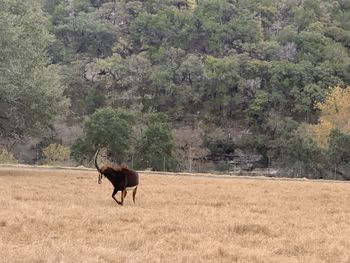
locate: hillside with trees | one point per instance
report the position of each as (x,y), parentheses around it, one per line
(179,85)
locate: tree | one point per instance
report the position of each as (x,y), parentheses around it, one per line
(30,88)
(155,147)
(107,127)
(301,153)
(219,144)
(258,107)
(176,84)
(221,92)
(338,153)
(189,147)
(86,33)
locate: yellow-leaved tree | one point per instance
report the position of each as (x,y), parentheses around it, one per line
(192,4)
(335,113)
(56,154)
(7,157)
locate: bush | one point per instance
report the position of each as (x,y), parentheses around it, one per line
(7,158)
(219,144)
(223,167)
(56,154)
(254,143)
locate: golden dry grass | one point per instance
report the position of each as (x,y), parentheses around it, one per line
(65,216)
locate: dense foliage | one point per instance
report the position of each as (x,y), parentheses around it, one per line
(221,60)
(30,88)
(155,147)
(107,127)
(56,154)
(245,66)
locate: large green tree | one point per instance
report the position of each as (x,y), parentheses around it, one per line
(107,127)
(30,89)
(156,145)
(301,153)
(338,153)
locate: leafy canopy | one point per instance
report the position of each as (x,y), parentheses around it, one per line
(156,145)
(107,127)
(30,88)
(335,112)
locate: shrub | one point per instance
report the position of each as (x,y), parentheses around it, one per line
(56,154)
(6,157)
(219,144)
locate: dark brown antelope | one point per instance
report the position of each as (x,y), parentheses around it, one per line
(122,178)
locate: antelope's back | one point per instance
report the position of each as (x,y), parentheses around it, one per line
(132,178)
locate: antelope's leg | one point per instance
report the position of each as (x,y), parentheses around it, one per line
(123,195)
(134,194)
(115,191)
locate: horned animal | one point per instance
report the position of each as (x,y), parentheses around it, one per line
(122,178)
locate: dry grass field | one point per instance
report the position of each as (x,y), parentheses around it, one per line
(65,216)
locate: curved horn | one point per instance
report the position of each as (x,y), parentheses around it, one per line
(95,160)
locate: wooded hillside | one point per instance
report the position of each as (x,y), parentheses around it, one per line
(237,82)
